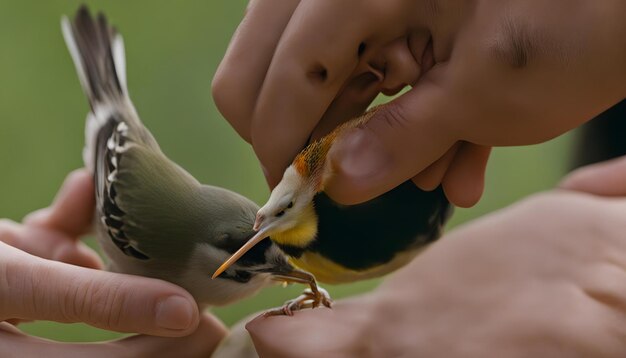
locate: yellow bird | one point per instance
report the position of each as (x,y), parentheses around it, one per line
(337,243)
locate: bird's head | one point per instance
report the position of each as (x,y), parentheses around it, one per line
(289,200)
(288,216)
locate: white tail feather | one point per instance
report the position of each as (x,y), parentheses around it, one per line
(104,96)
(119,59)
(70,41)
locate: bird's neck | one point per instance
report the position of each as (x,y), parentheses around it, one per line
(311,162)
(301,235)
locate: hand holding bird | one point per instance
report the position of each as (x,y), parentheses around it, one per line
(338,243)
(153,218)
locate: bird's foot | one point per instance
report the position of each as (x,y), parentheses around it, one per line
(312,297)
(308,299)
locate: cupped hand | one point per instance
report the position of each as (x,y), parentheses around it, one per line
(35,285)
(544,277)
(199,343)
(481,74)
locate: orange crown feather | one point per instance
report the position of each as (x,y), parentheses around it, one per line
(310,161)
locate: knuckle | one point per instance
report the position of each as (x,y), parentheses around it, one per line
(217,84)
(75,176)
(319,73)
(95,302)
(222,93)
(392,115)
(228,99)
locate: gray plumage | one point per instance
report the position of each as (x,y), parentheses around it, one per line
(152,217)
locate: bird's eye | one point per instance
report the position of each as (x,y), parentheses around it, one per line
(280,213)
(290,205)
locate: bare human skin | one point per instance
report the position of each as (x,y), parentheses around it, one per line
(511,284)
(46,273)
(558,288)
(499,73)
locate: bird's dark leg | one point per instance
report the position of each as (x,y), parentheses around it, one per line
(312,297)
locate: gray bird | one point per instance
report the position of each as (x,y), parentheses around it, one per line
(152,217)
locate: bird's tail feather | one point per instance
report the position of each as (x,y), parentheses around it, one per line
(98,53)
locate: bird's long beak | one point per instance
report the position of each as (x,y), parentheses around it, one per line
(263,233)
(258,222)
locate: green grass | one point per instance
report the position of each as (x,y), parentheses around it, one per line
(173,52)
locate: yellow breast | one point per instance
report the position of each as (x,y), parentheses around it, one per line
(327,271)
(302,233)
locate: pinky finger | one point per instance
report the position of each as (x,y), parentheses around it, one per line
(431,177)
(464,182)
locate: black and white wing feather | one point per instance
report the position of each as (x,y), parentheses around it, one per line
(122,154)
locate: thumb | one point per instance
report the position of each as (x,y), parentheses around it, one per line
(606,178)
(398,141)
(201,343)
(32,288)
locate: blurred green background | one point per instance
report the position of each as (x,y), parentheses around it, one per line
(173,50)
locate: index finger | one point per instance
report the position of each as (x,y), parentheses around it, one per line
(319,50)
(238,79)
(34,288)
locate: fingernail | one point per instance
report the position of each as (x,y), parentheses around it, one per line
(175,312)
(360,157)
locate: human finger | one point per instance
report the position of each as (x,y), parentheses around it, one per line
(200,343)
(401,138)
(464,181)
(316,56)
(48,244)
(238,79)
(605,178)
(36,289)
(337,329)
(351,102)
(431,177)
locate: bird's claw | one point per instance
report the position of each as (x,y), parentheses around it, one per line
(308,299)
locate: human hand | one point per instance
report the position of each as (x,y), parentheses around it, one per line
(606,178)
(544,277)
(200,343)
(497,73)
(35,286)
